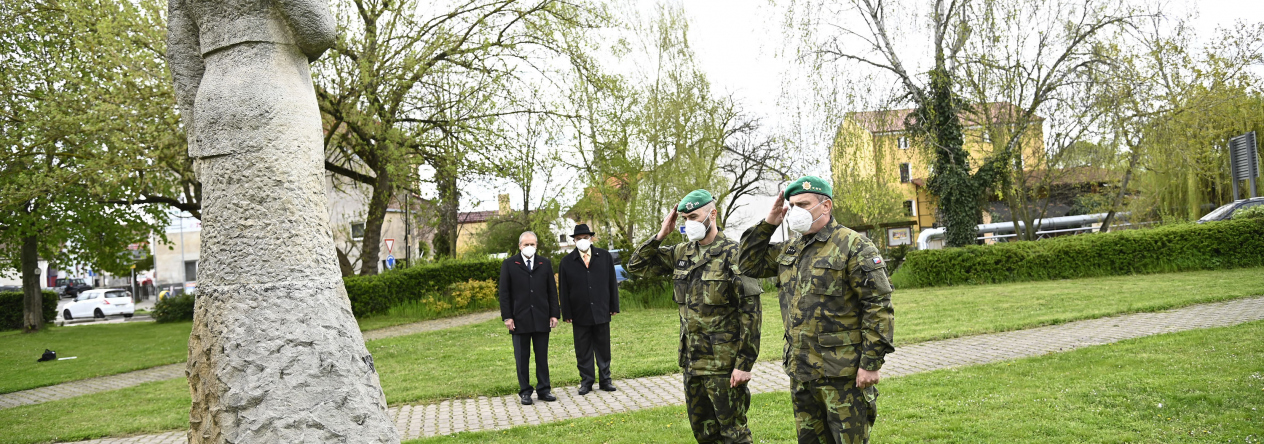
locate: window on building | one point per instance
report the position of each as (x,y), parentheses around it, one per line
(561,238)
(908,208)
(906,173)
(190,271)
(357,231)
(904,143)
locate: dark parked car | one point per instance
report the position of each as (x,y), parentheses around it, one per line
(70,287)
(1226,211)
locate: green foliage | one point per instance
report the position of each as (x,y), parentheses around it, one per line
(377,294)
(175,308)
(649,292)
(1255,212)
(11,308)
(1184,247)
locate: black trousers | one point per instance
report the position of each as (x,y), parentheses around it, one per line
(592,340)
(523,344)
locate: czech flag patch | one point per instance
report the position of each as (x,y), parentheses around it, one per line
(877,260)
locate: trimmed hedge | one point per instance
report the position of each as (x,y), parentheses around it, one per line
(376,294)
(11,308)
(1184,247)
(175,308)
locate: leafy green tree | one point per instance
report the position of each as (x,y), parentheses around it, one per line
(402,89)
(67,156)
(1025,51)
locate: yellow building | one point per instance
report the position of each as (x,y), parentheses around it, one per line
(472,223)
(876,157)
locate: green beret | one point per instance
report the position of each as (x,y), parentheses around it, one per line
(694,200)
(809,184)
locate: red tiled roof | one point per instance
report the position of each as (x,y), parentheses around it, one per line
(893,120)
(474,216)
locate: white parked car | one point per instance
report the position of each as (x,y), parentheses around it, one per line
(99,304)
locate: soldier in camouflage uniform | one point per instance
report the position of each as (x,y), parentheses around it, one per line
(836,308)
(720,318)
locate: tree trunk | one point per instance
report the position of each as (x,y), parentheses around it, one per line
(1123,188)
(371,246)
(449,211)
(32,298)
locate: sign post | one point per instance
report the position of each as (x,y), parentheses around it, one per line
(1244,164)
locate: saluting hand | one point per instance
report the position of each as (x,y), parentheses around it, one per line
(669,225)
(778,212)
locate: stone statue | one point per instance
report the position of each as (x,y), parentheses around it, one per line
(275,355)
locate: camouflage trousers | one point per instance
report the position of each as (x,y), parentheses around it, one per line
(717,412)
(833,410)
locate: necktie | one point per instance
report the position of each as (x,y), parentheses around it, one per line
(529,262)
(586,257)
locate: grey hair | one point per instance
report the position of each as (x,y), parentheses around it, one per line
(525,234)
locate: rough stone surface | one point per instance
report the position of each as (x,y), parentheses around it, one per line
(500,412)
(275,354)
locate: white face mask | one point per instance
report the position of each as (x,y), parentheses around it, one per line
(528,251)
(583,244)
(695,230)
(800,220)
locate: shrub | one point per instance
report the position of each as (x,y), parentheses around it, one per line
(1255,212)
(1184,247)
(174,308)
(11,308)
(377,294)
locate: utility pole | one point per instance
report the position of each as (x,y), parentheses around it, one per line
(408,230)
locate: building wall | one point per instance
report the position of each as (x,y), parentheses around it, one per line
(168,260)
(881,155)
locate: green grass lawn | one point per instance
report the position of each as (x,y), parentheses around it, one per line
(1196,386)
(477,359)
(100,350)
(947,312)
(147,408)
(402,315)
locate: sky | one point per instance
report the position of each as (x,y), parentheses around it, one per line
(736,43)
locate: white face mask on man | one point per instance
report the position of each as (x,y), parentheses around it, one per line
(583,244)
(528,251)
(800,220)
(695,230)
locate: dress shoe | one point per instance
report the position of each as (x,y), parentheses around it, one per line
(608,387)
(526,399)
(584,389)
(546,397)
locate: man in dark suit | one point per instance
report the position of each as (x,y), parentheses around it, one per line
(590,297)
(528,305)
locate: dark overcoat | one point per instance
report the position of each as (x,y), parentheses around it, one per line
(528,297)
(589,294)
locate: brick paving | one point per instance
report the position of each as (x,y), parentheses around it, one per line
(173,371)
(493,413)
(91,385)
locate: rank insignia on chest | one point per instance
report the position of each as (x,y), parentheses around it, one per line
(681,264)
(791,250)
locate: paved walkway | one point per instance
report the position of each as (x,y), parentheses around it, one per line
(492,413)
(173,371)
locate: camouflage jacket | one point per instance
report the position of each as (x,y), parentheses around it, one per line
(835,299)
(720,313)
